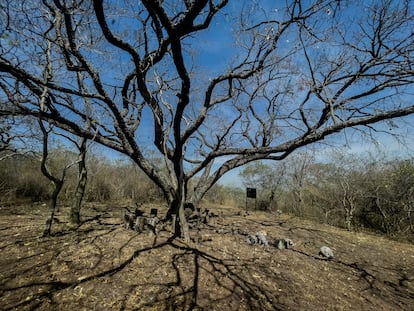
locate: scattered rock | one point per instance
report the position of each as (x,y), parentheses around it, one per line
(137,221)
(198,216)
(189,209)
(326,252)
(259,238)
(243,213)
(251,239)
(262,237)
(283,243)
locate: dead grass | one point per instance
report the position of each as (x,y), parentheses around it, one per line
(102,266)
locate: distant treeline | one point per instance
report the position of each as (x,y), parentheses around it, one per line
(357,193)
(108,180)
(353,192)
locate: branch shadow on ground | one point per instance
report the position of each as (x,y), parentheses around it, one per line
(195,272)
(52,287)
(199,278)
(395,292)
(235,281)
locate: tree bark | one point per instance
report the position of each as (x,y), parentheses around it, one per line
(185,230)
(181,228)
(52,208)
(79,194)
(74,216)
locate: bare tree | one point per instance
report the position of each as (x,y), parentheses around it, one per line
(81,183)
(297,172)
(58,179)
(299,73)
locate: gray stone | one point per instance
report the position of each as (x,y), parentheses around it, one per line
(283,243)
(251,239)
(326,252)
(259,238)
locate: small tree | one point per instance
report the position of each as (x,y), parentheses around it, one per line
(55,180)
(297,174)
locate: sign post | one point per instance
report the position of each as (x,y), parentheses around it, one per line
(251,193)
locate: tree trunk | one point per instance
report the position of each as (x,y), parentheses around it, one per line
(272,196)
(185,230)
(384,218)
(74,216)
(80,191)
(348,219)
(57,182)
(52,208)
(181,228)
(180,195)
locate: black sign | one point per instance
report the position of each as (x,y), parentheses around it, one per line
(251,193)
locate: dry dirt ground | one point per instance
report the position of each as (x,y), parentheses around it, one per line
(103,266)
